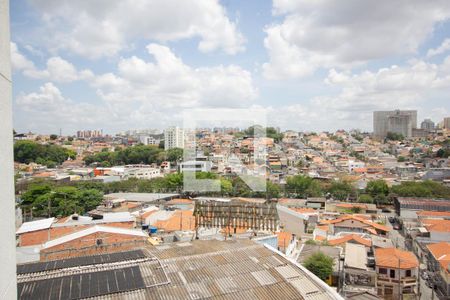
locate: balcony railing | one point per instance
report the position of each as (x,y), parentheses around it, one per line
(404,280)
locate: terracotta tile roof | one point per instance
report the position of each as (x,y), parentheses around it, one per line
(360,219)
(393,258)
(350,237)
(179,201)
(284,238)
(180,220)
(350,205)
(322,227)
(428,213)
(436,225)
(441,252)
(319,238)
(303,210)
(148,213)
(439,249)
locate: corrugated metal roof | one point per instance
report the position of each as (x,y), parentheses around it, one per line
(222,270)
(35,225)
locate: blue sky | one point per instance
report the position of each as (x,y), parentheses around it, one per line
(321,65)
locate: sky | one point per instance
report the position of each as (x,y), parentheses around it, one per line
(310,65)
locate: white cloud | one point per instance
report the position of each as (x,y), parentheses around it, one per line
(48,110)
(18,60)
(58,69)
(444,47)
(168,82)
(417,85)
(342,34)
(143,93)
(103,28)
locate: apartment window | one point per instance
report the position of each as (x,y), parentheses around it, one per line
(383,271)
(392,274)
(408,273)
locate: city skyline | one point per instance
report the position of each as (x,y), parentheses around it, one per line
(142,72)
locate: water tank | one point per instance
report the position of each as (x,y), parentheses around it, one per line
(152,229)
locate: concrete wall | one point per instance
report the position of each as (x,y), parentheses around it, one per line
(7,216)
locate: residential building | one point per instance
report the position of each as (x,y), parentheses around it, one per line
(397,121)
(195,166)
(93,240)
(397,272)
(148,140)
(439,264)
(427,125)
(446,123)
(358,274)
(173,138)
(407,208)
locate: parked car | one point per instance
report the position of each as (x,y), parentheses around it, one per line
(396,226)
(386,210)
(424,275)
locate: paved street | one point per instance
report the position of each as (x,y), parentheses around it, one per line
(425,291)
(394,235)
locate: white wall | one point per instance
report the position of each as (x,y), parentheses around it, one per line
(7,216)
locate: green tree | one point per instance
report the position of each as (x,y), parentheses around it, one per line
(320,265)
(303,186)
(340,190)
(392,136)
(365,198)
(377,187)
(426,188)
(174,155)
(90,199)
(29,151)
(53,137)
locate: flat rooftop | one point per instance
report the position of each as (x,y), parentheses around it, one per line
(141,197)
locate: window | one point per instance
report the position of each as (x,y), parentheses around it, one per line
(392,275)
(408,273)
(383,271)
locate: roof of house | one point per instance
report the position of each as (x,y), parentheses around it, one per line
(430,213)
(350,237)
(362,220)
(395,258)
(284,238)
(355,256)
(239,269)
(436,225)
(179,220)
(441,252)
(178,201)
(304,209)
(118,217)
(35,225)
(91,230)
(350,205)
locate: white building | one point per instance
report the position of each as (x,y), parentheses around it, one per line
(136,171)
(148,140)
(195,166)
(173,138)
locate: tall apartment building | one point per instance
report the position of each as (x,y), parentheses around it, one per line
(427,125)
(446,123)
(396,121)
(89,133)
(173,138)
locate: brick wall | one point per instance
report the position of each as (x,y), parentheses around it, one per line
(42,236)
(87,245)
